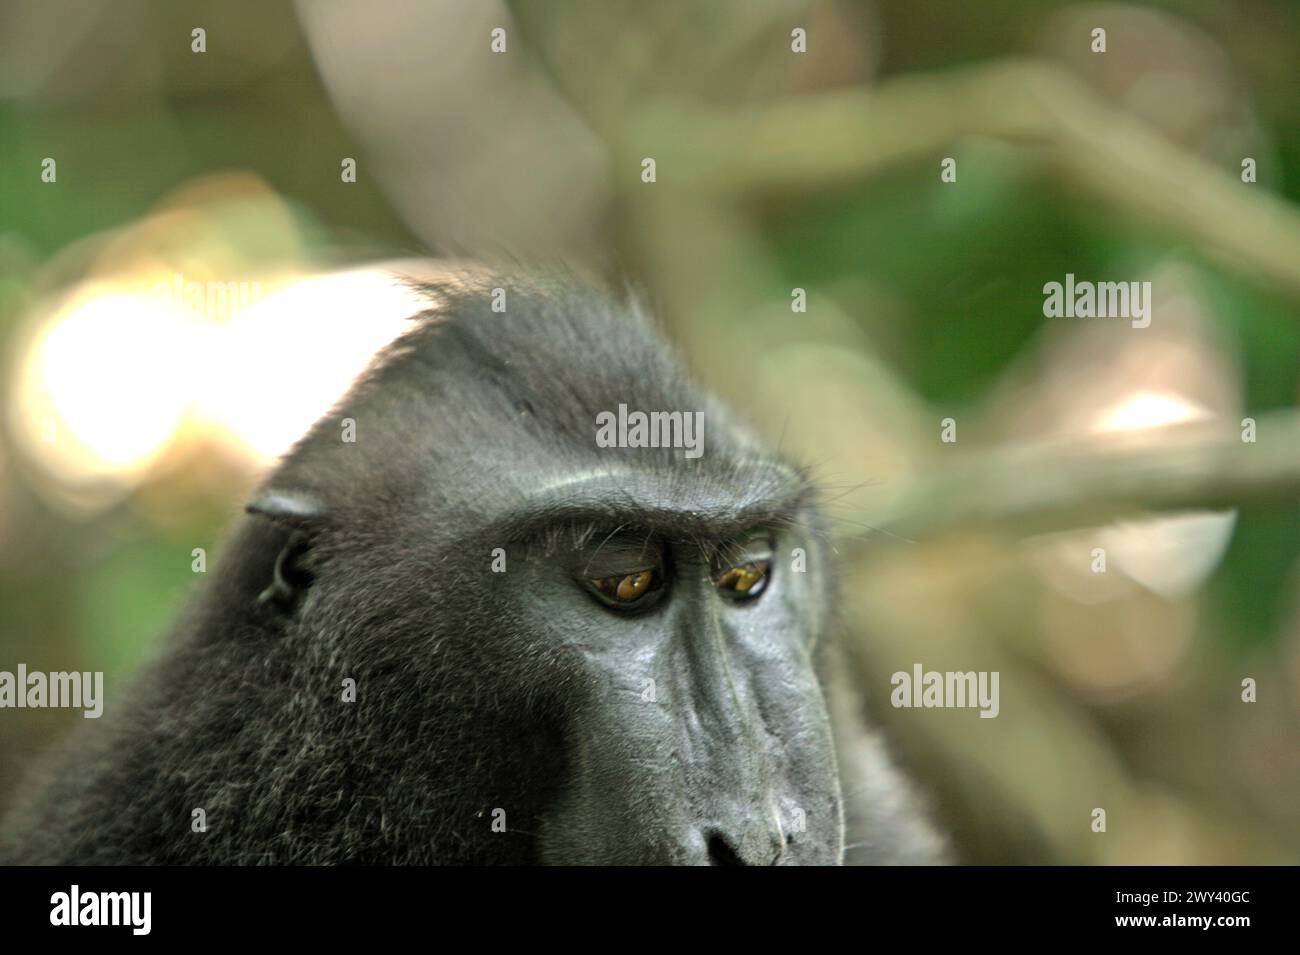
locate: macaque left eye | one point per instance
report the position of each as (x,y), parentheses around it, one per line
(741,573)
(743,582)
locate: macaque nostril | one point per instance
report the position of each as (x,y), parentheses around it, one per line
(720,851)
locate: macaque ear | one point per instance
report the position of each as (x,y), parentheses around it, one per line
(292,509)
(296,512)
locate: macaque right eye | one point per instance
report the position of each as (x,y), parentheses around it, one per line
(628,591)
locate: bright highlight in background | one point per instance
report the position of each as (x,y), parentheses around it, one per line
(117,375)
(104,387)
(1170,556)
(286,359)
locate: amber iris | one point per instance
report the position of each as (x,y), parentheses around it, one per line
(627,588)
(743,580)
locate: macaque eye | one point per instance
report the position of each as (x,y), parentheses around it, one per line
(740,572)
(744,581)
(628,590)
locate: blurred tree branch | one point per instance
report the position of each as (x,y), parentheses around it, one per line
(1076,484)
(711,160)
(815,143)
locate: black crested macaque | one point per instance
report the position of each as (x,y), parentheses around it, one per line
(475,635)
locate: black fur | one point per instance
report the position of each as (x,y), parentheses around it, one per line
(480,691)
